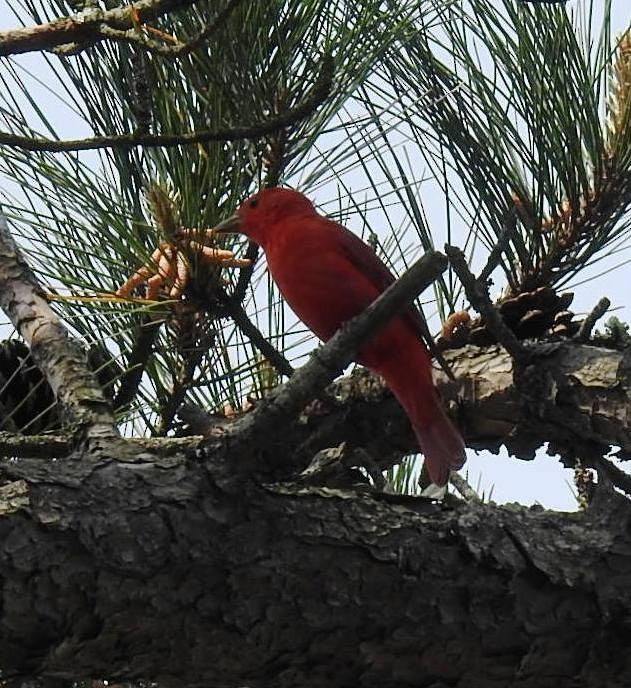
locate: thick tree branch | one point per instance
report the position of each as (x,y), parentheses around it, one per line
(148,569)
(577,395)
(85,28)
(61,359)
(55,446)
(318,95)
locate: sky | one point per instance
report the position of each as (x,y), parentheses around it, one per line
(542,480)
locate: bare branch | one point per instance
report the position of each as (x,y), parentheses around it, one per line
(60,358)
(318,95)
(478,296)
(587,326)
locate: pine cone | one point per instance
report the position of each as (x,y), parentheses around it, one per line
(532,315)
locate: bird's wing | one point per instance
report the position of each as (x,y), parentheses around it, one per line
(366,261)
(369,263)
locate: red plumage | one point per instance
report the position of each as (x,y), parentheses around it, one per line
(328,275)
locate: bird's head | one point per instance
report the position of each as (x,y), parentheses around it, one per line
(260,214)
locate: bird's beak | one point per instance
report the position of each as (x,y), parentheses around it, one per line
(230,226)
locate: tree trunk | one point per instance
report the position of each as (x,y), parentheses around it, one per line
(189,569)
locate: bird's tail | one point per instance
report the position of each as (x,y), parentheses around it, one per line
(441,443)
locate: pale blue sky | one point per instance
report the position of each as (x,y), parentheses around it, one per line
(540,480)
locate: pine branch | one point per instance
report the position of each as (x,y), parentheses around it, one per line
(320,91)
(155,46)
(88,27)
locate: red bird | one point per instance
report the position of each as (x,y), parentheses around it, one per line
(328,275)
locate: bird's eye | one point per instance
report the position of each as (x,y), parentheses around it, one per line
(254,202)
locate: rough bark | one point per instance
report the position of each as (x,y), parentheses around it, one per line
(191,570)
(574,396)
(170,568)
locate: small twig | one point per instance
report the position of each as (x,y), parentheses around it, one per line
(60,358)
(319,93)
(180,387)
(329,361)
(478,296)
(131,35)
(587,325)
(436,354)
(248,328)
(463,487)
(245,274)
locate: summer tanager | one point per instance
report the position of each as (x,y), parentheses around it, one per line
(328,275)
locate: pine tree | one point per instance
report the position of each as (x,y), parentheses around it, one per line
(145,551)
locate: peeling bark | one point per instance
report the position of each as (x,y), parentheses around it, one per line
(572,395)
(575,396)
